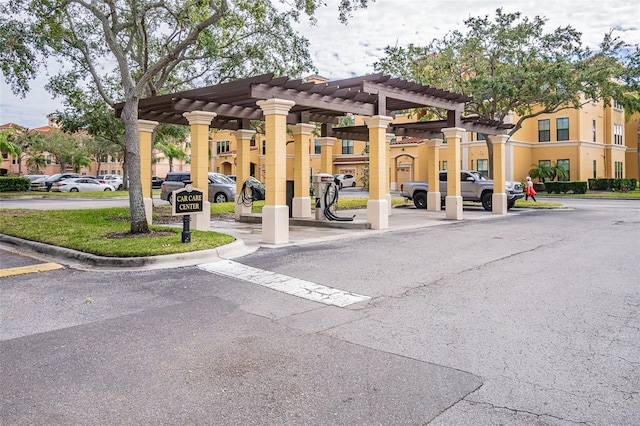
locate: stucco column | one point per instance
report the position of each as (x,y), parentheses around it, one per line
(434,203)
(326,157)
(145,133)
(301,162)
(200,122)
(499,197)
(243,164)
(377,206)
(387,179)
(453,201)
(275,214)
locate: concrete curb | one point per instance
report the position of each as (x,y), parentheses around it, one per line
(228,251)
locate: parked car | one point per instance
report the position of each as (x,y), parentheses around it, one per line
(113,180)
(473,187)
(33,178)
(45,184)
(346,180)
(81,185)
(221,188)
(232,177)
(156,182)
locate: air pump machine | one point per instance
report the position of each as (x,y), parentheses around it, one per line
(326,191)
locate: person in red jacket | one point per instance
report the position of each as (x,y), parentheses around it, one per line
(529,191)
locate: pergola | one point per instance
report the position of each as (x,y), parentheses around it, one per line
(282,102)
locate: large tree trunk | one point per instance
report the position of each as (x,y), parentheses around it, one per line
(139,223)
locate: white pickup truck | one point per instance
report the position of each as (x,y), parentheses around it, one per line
(473,187)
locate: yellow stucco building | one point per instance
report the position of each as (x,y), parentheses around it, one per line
(595,141)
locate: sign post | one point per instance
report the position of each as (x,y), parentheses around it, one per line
(186,201)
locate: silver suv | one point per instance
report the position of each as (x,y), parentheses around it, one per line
(221,188)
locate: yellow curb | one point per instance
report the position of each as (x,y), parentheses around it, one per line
(29,269)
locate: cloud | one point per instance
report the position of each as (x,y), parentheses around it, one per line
(343,51)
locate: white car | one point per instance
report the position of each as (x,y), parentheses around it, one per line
(81,185)
(346,180)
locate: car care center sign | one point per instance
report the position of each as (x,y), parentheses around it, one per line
(187,200)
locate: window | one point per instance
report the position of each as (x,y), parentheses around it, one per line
(594,130)
(562,129)
(471,165)
(544,134)
(616,105)
(48,159)
(617,134)
(5,156)
(223,146)
(347,147)
(618,167)
(482,137)
(444,165)
(318,148)
(264,147)
(483,167)
(595,168)
(565,165)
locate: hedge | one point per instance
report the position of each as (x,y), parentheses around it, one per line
(612,184)
(579,187)
(14,184)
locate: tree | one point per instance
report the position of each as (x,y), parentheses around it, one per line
(156,46)
(7,146)
(35,163)
(171,152)
(510,65)
(62,147)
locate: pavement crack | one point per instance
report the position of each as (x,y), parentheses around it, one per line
(525,412)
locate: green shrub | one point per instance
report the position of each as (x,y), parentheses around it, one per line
(579,187)
(14,184)
(612,184)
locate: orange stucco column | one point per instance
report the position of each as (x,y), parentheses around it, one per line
(301,163)
(433,176)
(145,132)
(377,206)
(243,165)
(275,214)
(453,201)
(326,154)
(200,122)
(499,196)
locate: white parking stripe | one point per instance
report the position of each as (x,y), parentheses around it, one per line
(290,285)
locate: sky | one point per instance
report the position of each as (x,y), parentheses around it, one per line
(342,51)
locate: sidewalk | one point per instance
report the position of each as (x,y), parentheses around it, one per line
(249,238)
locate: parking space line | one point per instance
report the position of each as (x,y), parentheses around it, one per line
(283,283)
(19,270)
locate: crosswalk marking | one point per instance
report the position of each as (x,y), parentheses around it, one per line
(286,284)
(19,270)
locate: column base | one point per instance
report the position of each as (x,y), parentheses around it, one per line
(434,203)
(240,209)
(377,214)
(388,197)
(148,209)
(499,203)
(202,221)
(453,207)
(301,207)
(275,224)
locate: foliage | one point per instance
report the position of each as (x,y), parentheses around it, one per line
(156,47)
(7,146)
(14,184)
(511,65)
(35,163)
(171,152)
(624,184)
(544,172)
(578,187)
